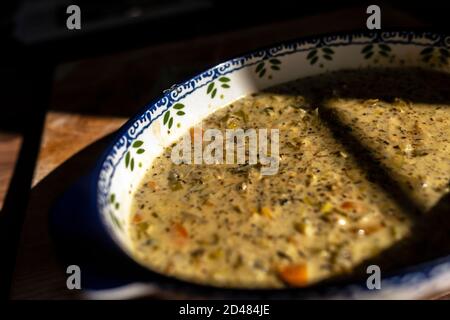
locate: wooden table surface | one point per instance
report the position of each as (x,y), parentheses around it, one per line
(38,273)
(9,149)
(113,88)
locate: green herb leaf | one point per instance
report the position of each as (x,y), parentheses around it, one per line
(262,73)
(311,54)
(224,79)
(112,198)
(427,51)
(328,50)
(210,87)
(275,67)
(127,159)
(314,60)
(384,47)
(328,57)
(166,117)
(226,86)
(213,93)
(137,143)
(368,55)
(132,164)
(275,61)
(178,106)
(170,122)
(367,48)
(180,113)
(259,67)
(140,151)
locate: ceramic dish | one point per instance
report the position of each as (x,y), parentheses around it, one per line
(109,188)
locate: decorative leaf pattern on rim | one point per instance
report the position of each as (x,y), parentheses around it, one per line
(320,55)
(377,51)
(272,64)
(168,119)
(435,56)
(212,89)
(129,158)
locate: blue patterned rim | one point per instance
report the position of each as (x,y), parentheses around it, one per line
(105,167)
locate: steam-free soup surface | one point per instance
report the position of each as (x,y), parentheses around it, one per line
(326,210)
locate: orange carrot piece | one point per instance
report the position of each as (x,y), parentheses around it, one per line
(295,275)
(137,218)
(151,184)
(353,205)
(180,230)
(348,205)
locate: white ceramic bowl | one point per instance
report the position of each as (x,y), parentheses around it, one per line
(160,123)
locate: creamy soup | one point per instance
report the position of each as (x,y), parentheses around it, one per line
(326,210)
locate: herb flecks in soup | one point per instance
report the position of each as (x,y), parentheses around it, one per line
(324,212)
(408,134)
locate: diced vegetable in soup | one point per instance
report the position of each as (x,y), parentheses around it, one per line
(325,211)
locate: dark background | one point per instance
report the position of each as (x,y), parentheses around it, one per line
(128,51)
(34,33)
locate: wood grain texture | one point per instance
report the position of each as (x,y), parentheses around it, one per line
(9,150)
(38,273)
(65,134)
